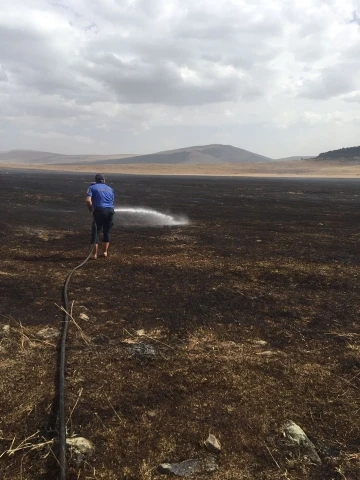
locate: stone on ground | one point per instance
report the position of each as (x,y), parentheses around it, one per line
(190,467)
(5,330)
(297,436)
(212,444)
(48,333)
(81,449)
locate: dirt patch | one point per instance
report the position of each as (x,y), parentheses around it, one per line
(231,325)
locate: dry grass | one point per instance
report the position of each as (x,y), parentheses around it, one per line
(247,334)
(295,168)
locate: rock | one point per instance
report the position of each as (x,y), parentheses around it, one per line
(142,350)
(212,444)
(190,467)
(297,436)
(48,333)
(5,330)
(80,448)
(260,343)
(294,433)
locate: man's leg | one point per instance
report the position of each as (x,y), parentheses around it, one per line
(96,227)
(107,228)
(105,248)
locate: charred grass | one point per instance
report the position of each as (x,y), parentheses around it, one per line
(251,312)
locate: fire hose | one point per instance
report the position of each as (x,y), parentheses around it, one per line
(62,365)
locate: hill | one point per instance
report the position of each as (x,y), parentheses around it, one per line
(342,153)
(198,155)
(29,157)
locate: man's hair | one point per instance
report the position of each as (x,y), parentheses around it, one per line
(99,178)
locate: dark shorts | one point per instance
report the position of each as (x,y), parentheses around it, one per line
(103,218)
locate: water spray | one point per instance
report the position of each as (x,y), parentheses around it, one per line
(152,217)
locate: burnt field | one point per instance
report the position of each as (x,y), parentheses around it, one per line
(230,325)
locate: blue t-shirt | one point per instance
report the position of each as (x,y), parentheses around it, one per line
(102,196)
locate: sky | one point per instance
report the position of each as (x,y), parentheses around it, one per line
(276,77)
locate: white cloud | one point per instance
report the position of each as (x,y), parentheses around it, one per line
(332,81)
(56,136)
(224,69)
(352,97)
(3,75)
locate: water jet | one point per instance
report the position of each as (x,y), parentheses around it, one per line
(151,217)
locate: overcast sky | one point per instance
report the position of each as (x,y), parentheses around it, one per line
(276,77)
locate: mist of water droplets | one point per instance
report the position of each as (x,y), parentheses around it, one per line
(152,217)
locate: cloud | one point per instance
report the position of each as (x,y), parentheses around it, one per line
(310,119)
(352,97)
(331,81)
(355,17)
(92,70)
(3,75)
(56,136)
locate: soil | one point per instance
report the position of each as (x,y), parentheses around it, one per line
(230,325)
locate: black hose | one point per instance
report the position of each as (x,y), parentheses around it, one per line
(62,418)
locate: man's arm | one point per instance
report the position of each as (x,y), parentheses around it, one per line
(89,203)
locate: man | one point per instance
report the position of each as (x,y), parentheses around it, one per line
(100,202)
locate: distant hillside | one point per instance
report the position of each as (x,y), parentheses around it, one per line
(199,155)
(342,153)
(47,158)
